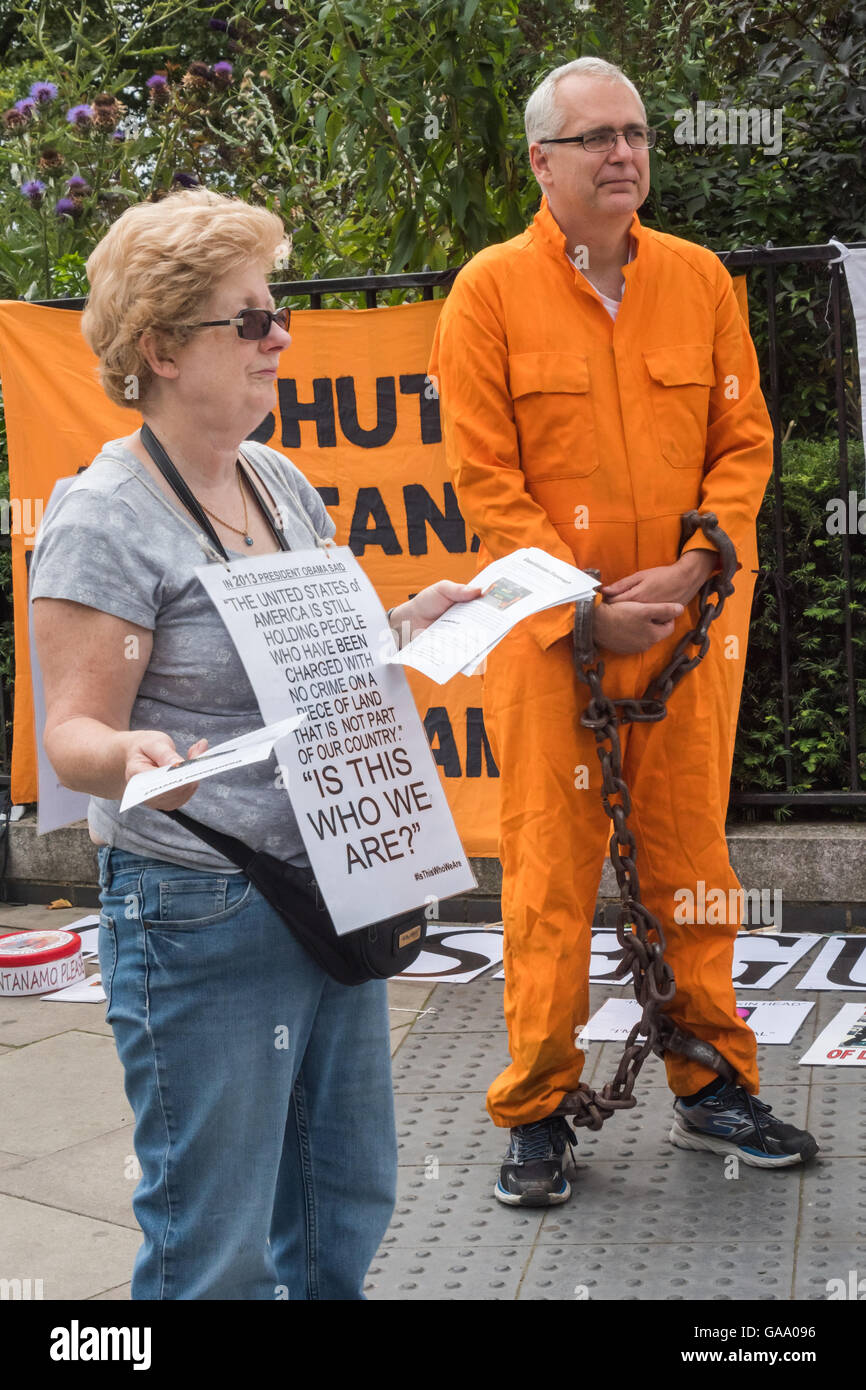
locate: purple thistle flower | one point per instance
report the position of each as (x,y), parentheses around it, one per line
(77,184)
(223,69)
(119,135)
(158,89)
(25,105)
(79,115)
(43,92)
(220,24)
(66,207)
(33,189)
(184,180)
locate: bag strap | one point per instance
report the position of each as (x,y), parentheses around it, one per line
(227,845)
(234,849)
(193,506)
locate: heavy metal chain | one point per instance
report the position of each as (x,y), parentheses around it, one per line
(643,957)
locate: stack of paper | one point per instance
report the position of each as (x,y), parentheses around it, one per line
(225,757)
(525,582)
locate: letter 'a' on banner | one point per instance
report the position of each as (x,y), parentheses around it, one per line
(354,411)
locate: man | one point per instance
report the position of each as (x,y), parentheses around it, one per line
(596,382)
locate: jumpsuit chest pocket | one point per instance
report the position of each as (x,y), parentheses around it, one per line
(553,412)
(680,380)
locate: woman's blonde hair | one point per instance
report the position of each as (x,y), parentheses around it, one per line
(155,267)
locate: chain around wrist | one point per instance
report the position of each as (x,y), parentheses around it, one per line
(585,650)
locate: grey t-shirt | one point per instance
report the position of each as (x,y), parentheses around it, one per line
(116,542)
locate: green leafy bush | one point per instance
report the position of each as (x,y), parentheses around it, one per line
(815,594)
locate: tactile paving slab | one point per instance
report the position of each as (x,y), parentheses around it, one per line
(446,1272)
(683,1197)
(645,1220)
(819,1262)
(833,1203)
(451,1128)
(644,1270)
(457,1202)
(449,1061)
(837,1115)
(475,1007)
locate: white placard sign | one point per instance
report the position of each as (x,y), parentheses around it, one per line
(843,1042)
(375,821)
(771,1020)
(759,961)
(606,954)
(89,991)
(841,964)
(762,961)
(456,956)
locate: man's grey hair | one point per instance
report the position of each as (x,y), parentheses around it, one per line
(544,119)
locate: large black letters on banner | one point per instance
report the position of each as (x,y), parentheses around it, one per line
(320,409)
(437,723)
(476,742)
(386,412)
(422,511)
(416,384)
(369,503)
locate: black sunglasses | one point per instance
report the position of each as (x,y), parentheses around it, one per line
(250,323)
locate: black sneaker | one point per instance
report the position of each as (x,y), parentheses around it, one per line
(731,1121)
(533,1174)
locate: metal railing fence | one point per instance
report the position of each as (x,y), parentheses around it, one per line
(768,258)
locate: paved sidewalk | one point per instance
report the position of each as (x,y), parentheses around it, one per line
(67,1164)
(645,1220)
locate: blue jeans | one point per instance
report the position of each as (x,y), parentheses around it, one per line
(261,1089)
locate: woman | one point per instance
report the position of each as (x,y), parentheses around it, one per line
(261,1088)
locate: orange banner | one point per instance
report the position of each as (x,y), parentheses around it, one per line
(354,412)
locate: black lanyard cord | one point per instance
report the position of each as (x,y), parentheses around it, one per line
(193,506)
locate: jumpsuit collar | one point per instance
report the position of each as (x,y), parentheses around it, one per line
(546,227)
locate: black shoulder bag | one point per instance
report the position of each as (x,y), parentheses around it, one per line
(374,952)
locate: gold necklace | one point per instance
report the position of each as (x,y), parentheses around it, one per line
(245,532)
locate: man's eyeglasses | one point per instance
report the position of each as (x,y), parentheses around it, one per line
(250,323)
(638,137)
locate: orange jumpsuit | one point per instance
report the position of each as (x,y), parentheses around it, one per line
(589,438)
